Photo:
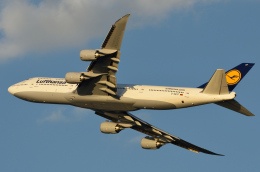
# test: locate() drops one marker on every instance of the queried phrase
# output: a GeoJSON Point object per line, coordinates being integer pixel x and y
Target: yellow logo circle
{"type": "Point", "coordinates": [233, 77]}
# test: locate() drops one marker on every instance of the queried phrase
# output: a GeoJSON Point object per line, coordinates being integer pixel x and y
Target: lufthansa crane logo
{"type": "Point", "coordinates": [233, 77]}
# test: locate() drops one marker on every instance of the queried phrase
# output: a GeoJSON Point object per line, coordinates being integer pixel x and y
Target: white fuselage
{"type": "Point", "coordinates": [129, 97]}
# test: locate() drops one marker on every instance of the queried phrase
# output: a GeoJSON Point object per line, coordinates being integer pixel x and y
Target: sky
{"type": "Point", "coordinates": [166, 43]}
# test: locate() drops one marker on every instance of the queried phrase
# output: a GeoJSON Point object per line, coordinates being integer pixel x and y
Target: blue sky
{"type": "Point", "coordinates": [167, 43]}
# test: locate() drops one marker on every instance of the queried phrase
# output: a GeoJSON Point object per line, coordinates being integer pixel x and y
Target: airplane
{"type": "Point", "coordinates": [97, 89]}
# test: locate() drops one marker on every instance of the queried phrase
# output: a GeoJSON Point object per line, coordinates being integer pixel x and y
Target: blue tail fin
{"type": "Point", "coordinates": [235, 75]}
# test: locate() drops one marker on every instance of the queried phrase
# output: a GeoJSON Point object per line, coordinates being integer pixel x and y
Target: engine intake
{"type": "Point", "coordinates": [75, 77]}
{"type": "Point", "coordinates": [110, 127]}
{"type": "Point", "coordinates": [150, 143]}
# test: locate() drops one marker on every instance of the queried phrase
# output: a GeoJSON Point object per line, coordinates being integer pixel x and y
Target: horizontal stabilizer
{"type": "Point", "coordinates": [217, 84]}
{"type": "Point", "coordinates": [235, 106]}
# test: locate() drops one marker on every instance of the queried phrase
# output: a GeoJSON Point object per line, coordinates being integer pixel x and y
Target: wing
{"type": "Point", "coordinates": [127, 120]}
{"type": "Point", "coordinates": [101, 72]}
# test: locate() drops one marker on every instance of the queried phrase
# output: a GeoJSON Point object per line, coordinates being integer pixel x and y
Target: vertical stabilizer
{"type": "Point", "coordinates": [235, 75]}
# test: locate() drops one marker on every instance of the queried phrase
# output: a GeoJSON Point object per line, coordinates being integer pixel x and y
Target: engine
{"type": "Point", "coordinates": [89, 55]}
{"type": "Point", "coordinates": [110, 127]}
{"type": "Point", "coordinates": [92, 55]}
{"type": "Point", "coordinates": [75, 77]}
{"type": "Point", "coordinates": [150, 143]}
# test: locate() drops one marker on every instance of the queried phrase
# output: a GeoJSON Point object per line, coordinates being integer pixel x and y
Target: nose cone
{"type": "Point", "coordinates": [11, 90]}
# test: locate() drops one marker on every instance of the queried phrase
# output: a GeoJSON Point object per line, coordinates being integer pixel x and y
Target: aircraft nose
{"type": "Point", "coordinates": [11, 90]}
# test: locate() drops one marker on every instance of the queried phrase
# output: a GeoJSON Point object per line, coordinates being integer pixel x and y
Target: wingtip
{"type": "Point", "coordinates": [212, 153]}
{"type": "Point", "coordinates": [218, 154]}
{"type": "Point", "coordinates": [124, 17]}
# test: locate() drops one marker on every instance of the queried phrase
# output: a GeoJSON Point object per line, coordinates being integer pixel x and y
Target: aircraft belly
{"type": "Point", "coordinates": [109, 103]}
{"type": "Point", "coordinates": [199, 99]}
{"type": "Point", "coordinates": [106, 103]}
{"type": "Point", "coordinates": [153, 104]}
{"type": "Point", "coordinates": [42, 97]}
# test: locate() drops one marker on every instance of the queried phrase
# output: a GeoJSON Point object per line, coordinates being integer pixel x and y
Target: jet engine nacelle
{"type": "Point", "coordinates": [110, 127]}
{"type": "Point", "coordinates": [89, 55]}
{"type": "Point", "coordinates": [150, 143]}
{"type": "Point", "coordinates": [92, 55]}
{"type": "Point", "coordinates": [75, 77]}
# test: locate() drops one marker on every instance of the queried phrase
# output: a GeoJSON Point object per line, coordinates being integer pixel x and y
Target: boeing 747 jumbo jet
{"type": "Point", "coordinates": [97, 89]}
